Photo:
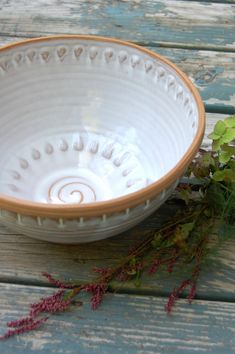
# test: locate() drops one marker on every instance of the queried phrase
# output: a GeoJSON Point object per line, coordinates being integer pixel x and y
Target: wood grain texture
{"type": "Point", "coordinates": [213, 73]}
{"type": "Point", "coordinates": [22, 261]}
{"type": "Point", "coordinates": [123, 324]}
{"type": "Point", "coordinates": [206, 23]}
{"type": "Point", "coordinates": [217, 1]}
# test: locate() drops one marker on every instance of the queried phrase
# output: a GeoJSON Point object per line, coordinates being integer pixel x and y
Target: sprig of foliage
{"type": "Point", "coordinates": [223, 144]}
{"type": "Point", "coordinates": [184, 239]}
{"type": "Point", "coordinates": [216, 171]}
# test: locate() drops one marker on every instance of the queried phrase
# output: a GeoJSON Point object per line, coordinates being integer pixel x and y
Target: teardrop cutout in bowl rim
{"type": "Point", "coordinates": [70, 211]}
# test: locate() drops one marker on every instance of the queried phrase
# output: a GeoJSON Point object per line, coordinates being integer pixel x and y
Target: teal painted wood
{"type": "Point", "coordinates": [23, 260]}
{"type": "Point", "coordinates": [123, 324]}
{"type": "Point", "coordinates": [156, 21]}
{"type": "Point", "coordinates": [212, 72]}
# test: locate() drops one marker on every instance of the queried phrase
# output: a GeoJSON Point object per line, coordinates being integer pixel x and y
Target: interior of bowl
{"type": "Point", "coordinates": [86, 120]}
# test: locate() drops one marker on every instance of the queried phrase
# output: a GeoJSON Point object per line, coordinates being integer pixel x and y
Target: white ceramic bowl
{"type": "Point", "coordinates": [95, 133]}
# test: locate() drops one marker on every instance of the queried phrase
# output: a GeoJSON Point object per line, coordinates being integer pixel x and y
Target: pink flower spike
{"type": "Point", "coordinates": [102, 271]}
{"type": "Point", "coordinates": [97, 291]}
{"type": "Point", "coordinates": [171, 265]}
{"type": "Point", "coordinates": [122, 276]}
{"type": "Point", "coordinates": [192, 293]}
{"type": "Point", "coordinates": [23, 329]}
{"type": "Point", "coordinates": [175, 295]}
{"type": "Point", "coordinates": [20, 322]}
{"type": "Point", "coordinates": [53, 303]}
{"type": "Point", "coordinates": [58, 283]}
{"type": "Point", "coordinates": [154, 267]}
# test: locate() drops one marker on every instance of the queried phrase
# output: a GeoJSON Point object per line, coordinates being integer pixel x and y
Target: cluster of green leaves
{"type": "Point", "coordinates": [223, 138]}
{"type": "Point", "coordinates": [218, 164]}
{"type": "Point", "coordinates": [216, 171]}
{"type": "Point", "coordinates": [174, 239]}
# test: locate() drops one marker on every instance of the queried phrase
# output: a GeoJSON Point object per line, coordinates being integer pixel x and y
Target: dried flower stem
{"type": "Point", "coordinates": [24, 328]}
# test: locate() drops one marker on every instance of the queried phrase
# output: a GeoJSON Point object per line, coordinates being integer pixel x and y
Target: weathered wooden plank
{"type": "Point", "coordinates": [23, 260]}
{"type": "Point", "coordinates": [212, 72]}
{"type": "Point", "coordinates": [10, 39]}
{"type": "Point", "coordinates": [218, 1]}
{"type": "Point", "coordinates": [123, 323]}
{"type": "Point", "coordinates": [151, 20]}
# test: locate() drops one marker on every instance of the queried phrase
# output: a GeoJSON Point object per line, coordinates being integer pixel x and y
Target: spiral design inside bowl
{"type": "Point", "coordinates": [71, 190]}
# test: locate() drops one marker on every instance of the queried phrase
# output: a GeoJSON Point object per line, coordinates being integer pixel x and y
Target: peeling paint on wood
{"type": "Point", "coordinates": [123, 324]}
{"type": "Point", "coordinates": [157, 20]}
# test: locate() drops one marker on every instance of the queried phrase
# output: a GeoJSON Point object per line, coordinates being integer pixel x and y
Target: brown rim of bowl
{"type": "Point", "coordinates": [25, 207]}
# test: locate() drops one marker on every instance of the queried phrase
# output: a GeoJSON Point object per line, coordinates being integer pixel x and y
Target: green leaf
{"type": "Point", "coordinates": [207, 159]}
{"type": "Point", "coordinates": [218, 176]}
{"type": "Point", "coordinates": [216, 145]}
{"type": "Point", "coordinates": [185, 195]}
{"type": "Point", "coordinates": [229, 175]}
{"type": "Point", "coordinates": [131, 271]}
{"type": "Point", "coordinates": [224, 156]}
{"type": "Point", "coordinates": [226, 175]}
{"type": "Point", "coordinates": [232, 165]}
{"type": "Point", "coordinates": [213, 136]}
{"type": "Point", "coordinates": [219, 128]}
{"type": "Point", "coordinates": [230, 149]}
{"type": "Point", "coordinates": [132, 261]}
{"type": "Point", "coordinates": [157, 240]}
{"type": "Point", "coordinates": [185, 229]}
{"type": "Point", "coordinates": [215, 197]}
{"type": "Point", "coordinates": [229, 135]}
{"type": "Point", "coordinates": [230, 122]}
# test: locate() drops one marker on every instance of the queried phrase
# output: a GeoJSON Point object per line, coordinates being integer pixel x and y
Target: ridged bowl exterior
{"type": "Point", "coordinates": [82, 230]}
{"type": "Point", "coordinates": [128, 118]}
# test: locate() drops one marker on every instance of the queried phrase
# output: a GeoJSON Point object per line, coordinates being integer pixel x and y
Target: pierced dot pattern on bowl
{"type": "Point", "coordinates": [63, 166]}
{"type": "Point", "coordinates": [109, 53]}
{"type": "Point", "coordinates": [74, 180]}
